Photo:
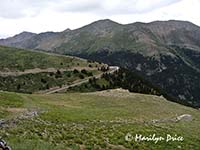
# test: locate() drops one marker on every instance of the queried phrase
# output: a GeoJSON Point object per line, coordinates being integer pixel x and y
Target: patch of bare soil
{"type": "Point", "coordinates": [16, 110]}
{"type": "Point", "coordinates": [38, 70]}
{"type": "Point", "coordinates": [28, 71]}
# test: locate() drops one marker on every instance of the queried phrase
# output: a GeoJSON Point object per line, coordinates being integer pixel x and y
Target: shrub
{"type": "Point", "coordinates": [84, 71]}
{"type": "Point", "coordinates": [75, 71]}
{"type": "Point", "coordinates": [81, 76]}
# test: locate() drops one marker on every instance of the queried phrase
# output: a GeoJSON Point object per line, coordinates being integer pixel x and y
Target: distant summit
{"type": "Point", "coordinates": [19, 38]}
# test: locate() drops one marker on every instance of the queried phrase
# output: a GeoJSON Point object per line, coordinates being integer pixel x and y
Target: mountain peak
{"type": "Point", "coordinates": [101, 25]}
{"type": "Point", "coordinates": [105, 21]}
{"type": "Point", "coordinates": [67, 30]}
{"type": "Point", "coordinates": [25, 33]}
{"type": "Point", "coordinates": [17, 38]}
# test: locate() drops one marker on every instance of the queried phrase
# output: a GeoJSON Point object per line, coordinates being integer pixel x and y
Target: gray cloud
{"type": "Point", "coordinates": [78, 6]}
{"type": "Point", "coordinates": [142, 6]}
{"type": "Point", "coordinates": [113, 7]}
{"type": "Point", "coordinates": [26, 8]}
{"type": "Point", "coordinates": [22, 8]}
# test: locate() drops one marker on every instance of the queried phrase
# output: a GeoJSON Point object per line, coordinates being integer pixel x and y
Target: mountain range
{"type": "Point", "coordinates": [166, 53]}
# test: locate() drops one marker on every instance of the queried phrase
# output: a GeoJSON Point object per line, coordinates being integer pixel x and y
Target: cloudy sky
{"type": "Point", "coordinates": [57, 15]}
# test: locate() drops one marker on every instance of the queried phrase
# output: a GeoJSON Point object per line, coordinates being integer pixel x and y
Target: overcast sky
{"type": "Point", "coordinates": [57, 15]}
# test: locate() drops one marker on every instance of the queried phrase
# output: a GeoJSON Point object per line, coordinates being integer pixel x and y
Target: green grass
{"type": "Point", "coordinates": [14, 59]}
{"type": "Point", "coordinates": [96, 121]}
{"type": "Point", "coordinates": [10, 100]}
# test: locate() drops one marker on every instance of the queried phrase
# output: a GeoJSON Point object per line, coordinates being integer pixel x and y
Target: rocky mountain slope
{"type": "Point", "coordinates": [17, 39]}
{"type": "Point", "coordinates": [166, 53]}
{"type": "Point", "coordinates": [144, 38]}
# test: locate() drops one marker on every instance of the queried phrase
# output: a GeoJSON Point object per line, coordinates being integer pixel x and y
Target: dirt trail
{"type": "Point", "coordinates": [55, 90]}
{"type": "Point", "coordinates": [38, 70]}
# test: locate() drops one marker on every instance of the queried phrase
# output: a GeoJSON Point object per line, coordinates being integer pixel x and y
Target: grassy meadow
{"type": "Point", "coordinates": [14, 59]}
{"type": "Point", "coordinates": [97, 120]}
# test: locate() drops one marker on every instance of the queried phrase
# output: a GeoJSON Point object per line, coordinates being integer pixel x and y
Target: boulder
{"type": "Point", "coordinates": [185, 117]}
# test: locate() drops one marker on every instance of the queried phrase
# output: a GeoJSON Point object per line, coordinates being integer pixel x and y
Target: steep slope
{"type": "Point", "coordinates": [98, 120]}
{"type": "Point", "coordinates": [165, 52]}
{"type": "Point", "coordinates": [29, 71]}
{"type": "Point", "coordinates": [180, 33]}
{"type": "Point", "coordinates": [126, 79]}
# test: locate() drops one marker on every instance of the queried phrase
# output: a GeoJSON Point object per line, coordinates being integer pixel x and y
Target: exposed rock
{"type": "Point", "coordinates": [185, 117]}
{"type": "Point", "coordinates": [3, 145]}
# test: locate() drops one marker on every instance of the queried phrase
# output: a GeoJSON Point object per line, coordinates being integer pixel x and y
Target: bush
{"type": "Point", "coordinates": [75, 71]}
{"type": "Point", "coordinates": [90, 74]}
{"type": "Point", "coordinates": [43, 81]}
{"type": "Point", "coordinates": [90, 65]}
{"type": "Point", "coordinates": [18, 87]}
{"type": "Point", "coordinates": [58, 74]}
{"type": "Point", "coordinates": [81, 76]}
{"type": "Point", "coordinates": [84, 71]}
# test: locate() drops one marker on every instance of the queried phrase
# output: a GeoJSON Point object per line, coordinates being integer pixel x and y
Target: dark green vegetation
{"type": "Point", "coordinates": [122, 78]}
{"type": "Point", "coordinates": [172, 75]}
{"type": "Point", "coordinates": [125, 79]}
{"type": "Point", "coordinates": [166, 53]}
{"type": "Point", "coordinates": [97, 120]}
{"type": "Point", "coordinates": [30, 83]}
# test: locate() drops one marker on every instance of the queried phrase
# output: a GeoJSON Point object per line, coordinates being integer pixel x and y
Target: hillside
{"type": "Point", "coordinates": [29, 71]}
{"type": "Point", "coordinates": [98, 120]}
{"type": "Point", "coordinates": [126, 79]}
{"type": "Point", "coordinates": [13, 59]}
{"type": "Point", "coordinates": [164, 52]}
